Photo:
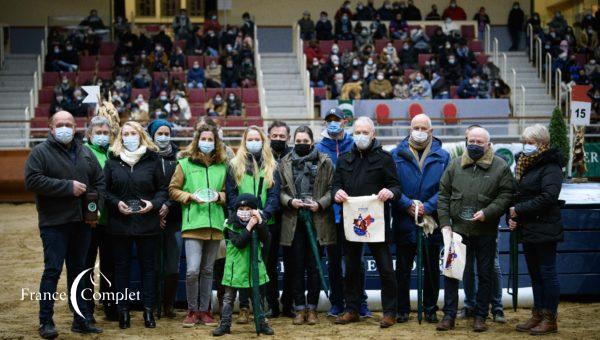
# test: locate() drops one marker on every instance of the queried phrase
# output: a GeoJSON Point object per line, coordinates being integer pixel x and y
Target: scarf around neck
{"type": "Point", "coordinates": [132, 157]}
{"type": "Point", "coordinates": [304, 170]}
{"type": "Point", "coordinates": [166, 151]}
{"type": "Point", "coordinates": [526, 162]}
{"type": "Point", "coordinates": [415, 147]}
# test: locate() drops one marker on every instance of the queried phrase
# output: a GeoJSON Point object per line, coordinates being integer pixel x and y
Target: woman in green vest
{"type": "Point", "coordinates": [254, 171]}
{"type": "Point", "coordinates": [242, 221]}
{"type": "Point", "coordinates": [202, 165]}
{"type": "Point", "coordinates": [98, 140]}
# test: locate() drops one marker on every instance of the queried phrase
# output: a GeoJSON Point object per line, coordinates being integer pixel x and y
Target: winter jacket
{"type": "Point", "coordinates": [145, 180]}
{"type": "Point", "coordinates": [195, 75]}
{"type": "Point", "coordinates": [417, 184]}
{"type": "Point", "coordinates": [377, 87]}
{"type": "Point", "coordinates": [323, 218]}
{"type": "Point", "coordinates": [168, 164]}
{"type": "Point", "coordinates": [50, 171]}
{"type": "Point", "coordinates": [101, 155]}
{"type": "Point", "coordinates": [486, 185]}
{"type": "Point", "coordinates": [537, 204]}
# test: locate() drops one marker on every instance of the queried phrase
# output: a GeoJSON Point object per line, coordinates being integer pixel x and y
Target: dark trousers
{"type": "Point", "coordinates": [303, 261]}
{"type": "Point", "coordinates": [229, 299]}
{"type": "Point", "coordinates": [515, 38]}
{"type": "Point", "coordinates": [484, 250]}
{"type": "Point", "coordinates": [100, 244]}
{"type": "Point", "coordinates": [67, 243]}
{"type": "Point", "coordinates": [541, 263]}
{"type": "Point", "coordinates": [146, 249]}
{"type": "Point", "coordinates": [354, 284]}
{"type": "Point", "coordinates": [405, 257]}
{"type": "Point", "coordinates": [272, 287]}
{"type": "Point", "coordinates": [287, 294]}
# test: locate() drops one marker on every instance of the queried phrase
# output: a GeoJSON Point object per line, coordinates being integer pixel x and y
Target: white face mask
{"type": "Point", "coordinates": [131, 143]}
{"type": "Point", "coordinates": [63, 134]}
{"type": "Point", "coordinates": [380, 77]}
{"type": "Point", "coordinates": [162, 141]}
{"type": "Point", "coordinates": [362, 141]}
{"type": "Point", "coordinates": [419, 136]}
{"type": "Point", "coordinates": [244, 215]}
{"type": "Point", "coordinates": [529, 149]}
{"type": "Point", "coordinates": [206, 147]}
{"type": "Point", "coordinates": [100, 140]}
{"type": "Point", "coordinates": [254, 146]}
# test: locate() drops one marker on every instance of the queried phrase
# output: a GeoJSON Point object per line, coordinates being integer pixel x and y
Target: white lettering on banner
{"type": "Point", "coordinates": [371, 267]}
{"type": "Point", "coordinates": [591, 157]}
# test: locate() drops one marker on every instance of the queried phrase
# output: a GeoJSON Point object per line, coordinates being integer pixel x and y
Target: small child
{"type": "Point", "coordinates": [238, 237]}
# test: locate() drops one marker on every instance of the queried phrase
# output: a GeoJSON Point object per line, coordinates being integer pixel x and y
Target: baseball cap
{"type": "Point", "coordinates": [336, 112]}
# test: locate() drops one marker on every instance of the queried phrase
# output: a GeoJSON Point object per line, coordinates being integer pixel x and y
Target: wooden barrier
{"type": "Point", "coordinates": [12, 176]}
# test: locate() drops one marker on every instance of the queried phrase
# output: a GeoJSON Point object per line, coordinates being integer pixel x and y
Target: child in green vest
{"type": "Point", "coordinates": [237, 275]}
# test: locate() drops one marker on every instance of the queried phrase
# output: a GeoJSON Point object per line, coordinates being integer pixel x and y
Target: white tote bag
{"type": "Point", "coordinates": [453, 256]}
{"type": "Point", "coordinates": [364, 219]}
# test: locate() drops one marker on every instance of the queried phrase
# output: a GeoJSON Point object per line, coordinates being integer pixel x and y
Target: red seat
{"type": "Point", "coordinates": [42, 111]}
{"type": "Point", "coordinates": [398, 44]}
{"type": "Point", "coordinates": [453, 90]}
{"type": "Point", "coordinates": [196, 96]}
{"type": "Point", "coordinates": [581, 59]}
{"type": "Point", "coordinates": [181, 44]}
{"type": "Point", "coordinates": [325, 46]}
{"type": "Point", "coordinates": [380, 44]}
{"type": "Point", "coordinates": [136, 92]}
{"type": "Point", "coordinates": [108, 48]}
{"type": "Point", "coordinates": [345, 46]}
{"type": "Point", "coordinates": [178, 75]}
{"type": "Point", "coordinates": [237, 91]}
{"type": "Point", "coordinates": [430, 30]}
{"type": "Point", "coordinates": [85, 77]}
{"type": "Point", "coordinates": [105, 75]}
{"type": "Point", "coordinates": [481, 58]}
{"type": "Point", "coordinates": [423, 57]}
{"type": "Point", "coordinates": [250, 95]}
{"type": "Point", "coordinates": [46, 95]}
{"type": "Point", "coordinates": [382, 114]}
{"type": "Point", "coordinates": [408, 72]}
{"type": "Point", "coordinates": [414, 109]}
{"type": "Point", "coordinates": [253, 111]}
{"type": "Point", "coordinates": [106, 63]}
{"type": "Point", "coordinates": [449, 112]}
{"type": "Point", "coordinates": [207, 60]}
{"type": "Point", "coordinates": [72, 76]}
{"type": "Point", "coordinates": [198, 111]}
{"type": "Point", "coordinates": [87, 63]}
{"type": "Point", "coordinates": [254, 121]}
{"type": "Point", "coordinates": [475, 46]}
{"type": "Point", "coordinates": [192, 58]}
{"type": "Point", "coordinates": [211, 92]}
{"type": "Point", "coordinates": [49, 79]}
{"type": "Point", "coordinates": [39, 122]}
{"type": "Point", "coordinates": [320, 93]}
{"type": "Point", "coordinates": [413, 27]}
{"type": "Point", "coordinates": [467, 31]}
{"type": "Point", "coordinates": [234, 122]}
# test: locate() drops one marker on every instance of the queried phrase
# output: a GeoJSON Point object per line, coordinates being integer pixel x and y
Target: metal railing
{"type": "Point", "coordinates": [530, 35]}
{"type": "Point", "coordinates": [309, 93]}
{"type": "Point", "coordinates": [504, 65]}
{"type": "Point", "coordinates": [259, 77]}
{"type": "Point", "coordinates": [495, 52]}
{"type": "Point", "coordinates": [558, 87]}
{"type": "Point", "coordinates": [539, 57]}
{"type": "Point", "coordinates": [548, 73]}
{"type": "Point", "coordinates": [570, 127]}
{"type": "Point", "coordinates": [487, 36]}
{"type": "Point", "coordinates": [2, 26]}
{"type": "Point", "coordinates": [513, 92]}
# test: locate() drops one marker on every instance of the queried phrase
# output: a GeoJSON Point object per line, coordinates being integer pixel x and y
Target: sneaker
{"type": "Point", "coordinates": [335, 310]}
{"type": "Point", "coordinates": [191, 319]}
{"type": "Point", "coordinates": [206, 318]}
{"type": "Point", "coordinates": [364, 311]}
{"type": "Point", "coordinates": [466, 313]}
{"type": "Point", "coordinates": [499, 316]}
{"type": "Point", "coordinates": [47, 330]}
{"type": "Point", "coordinates": [266, 330]}
{"type": "Point", "coordinates": [243, 317]}
{"type": "Point", "coordinates": [221, 330]}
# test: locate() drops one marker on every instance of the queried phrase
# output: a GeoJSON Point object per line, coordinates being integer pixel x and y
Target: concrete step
{"type": "Point", "coordinates": [24, 82]}
{"type": "Point", "coordinates": [287, 112]}
{"type": "Point", "coordinates": [277, 55]}
{"type": "Point", "coordinates": [275, 71]}
{"type": "Point", "coordinates": [282, 85]}
{"type": "Point", "coordinates": [15, 88]}
{"type": "Point", "coordinates": [11, 114]}
{"type": "Point", "coordinates": [281, 102]}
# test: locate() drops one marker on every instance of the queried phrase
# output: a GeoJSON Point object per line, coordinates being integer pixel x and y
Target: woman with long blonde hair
{"type": "Point", "coordinates": [254, 171]}
{"type": "Point", "coordinates": [202, 167]}
{"type": "Point", "coordinates": [135, 191]}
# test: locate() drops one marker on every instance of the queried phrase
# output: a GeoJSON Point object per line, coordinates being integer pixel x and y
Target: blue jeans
{"type": "Point", "coordinates": [484, 250]}
{"type": "Point", "coordinates": [541, 264]}
{"type": "Point", "coordinates": [67, 243]}
{"type": "Point", "coordinates": [59, 65]}
{"type": "Point", "coordinates": [470, 283]}
{"type": "Point", "coordinates": [319, 83]}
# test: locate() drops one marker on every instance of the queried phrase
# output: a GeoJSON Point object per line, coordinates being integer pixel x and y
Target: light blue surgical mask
{"type": "Point", "coordinates": [529, 149]}
{"type": "Point", "coordinates": [100, 140]}
{"type": "Point", "coordinates": [334, 128]}
{"type": "Point", "coordinates": [254, 146]}
{"type": "Point", "coordinates": [206, 147]}
{"type": "Point", "coordinates": [131, 143]}
{"type": "Point", "coordinates": [63, 134]}
{"type": "Point", "coordinates": [162, 141]}
{"type": "Point", "coordinates": [362, 141]}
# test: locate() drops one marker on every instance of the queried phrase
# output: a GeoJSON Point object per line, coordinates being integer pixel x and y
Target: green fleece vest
{"type": "Point", "coordinates": [207, 215]}
{"type": "Point", "coordinates": [101, 155]}
{"type": "Point", "coordinates": [249, 185]}
{"type": "Point", "coordinates": [237, 264]}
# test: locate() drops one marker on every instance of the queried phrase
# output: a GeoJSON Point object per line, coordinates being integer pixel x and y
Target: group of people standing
{"type": "Point", "coordinates": [221, 206]}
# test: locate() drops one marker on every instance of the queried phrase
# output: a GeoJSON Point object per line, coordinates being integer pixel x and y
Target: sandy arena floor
{"type": "Point", "coordinates": [21, 263]}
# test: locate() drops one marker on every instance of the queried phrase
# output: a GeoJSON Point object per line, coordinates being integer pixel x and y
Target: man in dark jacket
{"type": "Point", "coordinates": [61, 172]}
{"type": "Point", "coordinates": [367, 170]}
{"type": "Point", "coordinates": [516, 19]}
{"type": "Point", "coordinates": [475, 191]}
{"type": "Point", "coordinates": [420, 163]}
{"type": "Point", "coordinates": [324, 28]}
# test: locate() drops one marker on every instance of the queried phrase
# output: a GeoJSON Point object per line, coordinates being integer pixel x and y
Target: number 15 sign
{"type": "Point", "coordinates": [581, 105]}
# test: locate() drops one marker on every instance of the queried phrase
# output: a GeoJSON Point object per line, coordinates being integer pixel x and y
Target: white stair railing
{"type": "Point", "coordinates": [504, 67]}
{"type": "Point", "coordinates": [259, 77]}
{"type": "Point", "coordinates": [548, 71]}
{"type": "Point", "coordinates": [487, 36]}
{"type": "Point", "coordinates": [557, 87]}
{"type": "Point", "coordinates": [309, 93]}
{"type": "Point", "coordinates": [530, 35]}
{"type": "Point", "coordinates": [495, 56]}
{"type": "Point", "coordinates": [539, 57]}
{"type": "Point", "coordinates": [27, 116]}
{"type": "Point", "coordinates": [568, 115]}
{"type": "Point", "coordinates": [2, 46]}
{"type": "Point", "coordinates": [513, 92]}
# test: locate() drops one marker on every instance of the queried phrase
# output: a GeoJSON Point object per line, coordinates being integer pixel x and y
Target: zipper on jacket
{"type": "Point", "coordinates": [208, 187]}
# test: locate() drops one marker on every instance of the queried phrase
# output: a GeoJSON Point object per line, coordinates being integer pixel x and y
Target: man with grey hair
{"type": "Point", "coordinates": [475, 191]}
{"type": "Point", "coordinates": [60, 171]}
{"type": "Point", "coordinates": [367, 170]}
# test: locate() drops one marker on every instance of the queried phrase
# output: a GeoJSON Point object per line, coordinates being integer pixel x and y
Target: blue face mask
{"type": "Point", "coordinates": [162, 141]}
{"type": "Point", "coordinates": [63, 134]}
{"type": "Point", "coordinates": [100, 140]}
{"type": "Point", "coordinates": [334, 128]}
{"type": "Point", "coordinates": [529, 149]}
{"type": "Point", "coordinates": [206, 147]}
{"type": "Point", "coordinates": [131, 143]}
{"type": "Point", "coordinates": [254, 146]}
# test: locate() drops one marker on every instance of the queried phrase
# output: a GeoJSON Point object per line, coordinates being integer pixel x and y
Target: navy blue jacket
{"type": "Point", "coordinates": [416, 184]}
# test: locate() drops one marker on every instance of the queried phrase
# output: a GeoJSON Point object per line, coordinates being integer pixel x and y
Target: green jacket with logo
{"type": "Point", "coordinates": [237, 270]}
{"type": "Point", "coordinates": [101, 155]}
{"type": "Point", "coordinates": [249, 185]}
{"type": "Point", "coordinates": [486, 185]}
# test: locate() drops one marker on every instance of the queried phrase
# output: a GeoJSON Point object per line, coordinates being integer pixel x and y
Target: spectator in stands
{"type": "Point", "coordinates": [195, 76]}
{"type": "Point", "coordinates": [363, 39]}
{"type": "Point", "coordinates": [454, 12]}
{"type": "Point", "coordinates": [430, 67]}
{"type": "Point", "coordinates": [324, 28]}
{"type": "Point", "coordinates": [163, 40]}
{"type": "Point", "coordinates": [121, 26]}
{"type": "Point", "coordinates": [482, 20]}
{"type": "Point", "coordinates": [483, 89]}
{"type": "Point", "coordinates": [389, 55]}
{"type": "Point", "coordinates": [141, 103]}
{"type": "Point", "coordinates": [247, 28]}
{"type": "Point", "coordinates": [162, 84]}
{"type": "Point", "coordinates": [70, 55]}
{"type": "Point", "coordinates": [490, 69]}
{"type": "Point", "coordinates": [211, 43]}
{"type": "Point", "coordinates": [124, 69]}
{"type": "Point", "coordinates": [212, 23]}
{"type": "Point", "coordinates": [160, 101]}
{"type": "Point", "coordinates": [65, 87]}
{"type": "Point", "coordinates": [363, 12]}
{"type": "Point", "coordinates": [213, 74]}
{"type": "Point", "coordinates": [158, 59]}
{"type": "Point", "coordinates": [398, 27]}
{"type": "Point", "coordinates": [558, 23]}
{"type": "Point", "coordinates": [588, 40]}
{"type": "Point", "coordinates": [439, 87]}
{"type": "Point", "coordinates": [344, 9]}
{"type": "Point", "coordinates": [582, 78]}
{"type": "Point", "coordinates": [78, 107]}
{"type": "Point", "coordinates": [393, 73]}
{"type": "Point", "coordinates": [466, 58]}
{"type": "Point", "coordinates": [386, 12]}
{"type": "Point", "coordinates": [592, 68]}
{"type": "Point", "coordinates": [412, 12]}
{"type": "Point", "coordinates": [178, 100]}
{"type": "Point", "coordinates": [408, 56]}
{"type": "Point", "coordinates": [334, 66]}
{"type": "Point", "coordinates": [419, 87]}
{"type": "Point", "coordinates": [60, 103]}
{"type": "Point", "coordinates": [378, 28]}
{"type": "Point", "coordinates": [401, 89]}
{"type": "Point", "coordinates": [469, 88]}
{"type": "Point", "coordinates": [501, 89]}
{"type": "Point", "coordinates": [369, 70]}
{"type": "Point", "coordinates": [247, 73]}
{"type": "Point", "coordinates": [433, 15]}
{"type": "Point", "coordinates": [229, 74]}
{"type": "Point", "coordinates": [317, 74]}
{"type": "Point", "coordinates": [420, 40]}
{"type": "Point", "coordinates": [234, 105]}
{"type": "Point", "coordinates": [56, 61]}
{"type": "Point", "coordinates": [343, 28]}
{"type": "Point", "coordinates": [450, 28]}
{"type": "Point", "coordinates": [535, 23]}
{"type": "Point", "coordinates": [142, 78]}
{"type": "Point", "coordinates": [182, 25]}
{"type": "Point", "coordinates": [216, 106]}
{"type": "Point", "coordinates": [246, 51]}
{"type": "Point", "coordinates": [561, 63]}
{"type": "Point", "coordinates": [438, 41]}
{"type": "Point", "coordinates": [313, 51]}
{"type": "Point", "coordinates": [177, 60]}
{"type": "Point", "coordinates": [229, 52]}
{"type": "Point", "coordinates": [380, 88]}
{"type": "Point", "coordinates": [337, 85]}
{"type": "Point", "coordinates": [307, 27]}
{"type": "Point", "coordinates": [93, 21]}
{"type": "Point", "coordinates": [195, 44]}
{"type": "Point", "coordinates": [570, 39]}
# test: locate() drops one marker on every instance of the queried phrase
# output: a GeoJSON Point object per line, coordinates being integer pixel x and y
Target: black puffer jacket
{"type": "Point", "coordinates": [168, 164]}
{"type": "Point", "coordinates": [144, 181]}
{"type": "Point", "coordinates": [537, 204]}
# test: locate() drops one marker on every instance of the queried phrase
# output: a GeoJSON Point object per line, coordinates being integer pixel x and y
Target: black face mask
{"type": "Point", "coordinates": [278, 145]}
{"type": "Point", "coordinates": [302, 149]}
{"type": "Point", "coordinates": [475, 151]}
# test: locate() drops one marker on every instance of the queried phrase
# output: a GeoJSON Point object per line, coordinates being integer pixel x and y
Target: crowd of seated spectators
{"type": "Point", "coordinates": [389, 58]}
{"type": "Point", "coordinates": [191, 70]}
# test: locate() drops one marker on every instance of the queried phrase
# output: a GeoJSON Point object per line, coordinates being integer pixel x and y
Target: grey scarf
{"type": "Point", "coordinates": [166, 151]}
{"type": "Point", "coordinates": [304, 170]}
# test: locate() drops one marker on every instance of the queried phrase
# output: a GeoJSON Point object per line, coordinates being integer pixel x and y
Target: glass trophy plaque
{"type": "Point", "coordinates": [206, 195]}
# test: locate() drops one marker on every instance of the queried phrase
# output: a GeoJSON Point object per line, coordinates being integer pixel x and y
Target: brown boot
{"type": "Point", "coordinates": [547, 325]}
{"type": "Point", "coordinates": [479, 325]}
{"type": "Point", "coordinates": [244, 316]}
{"type": "Point", "coordinates": [387, 321]}
{"type": "Point", "coordinates": [347, 317]}
{"type": "Point", "coordinates": [446, 324]}
{"type": "Point", "coordinates": [311, 317]}
{"type": "Point", "coordinates": [169, 297]}
{"type": "Point", "coordinates": [534, 320]}
{"type": "Point", "coordinates": [300, 317]}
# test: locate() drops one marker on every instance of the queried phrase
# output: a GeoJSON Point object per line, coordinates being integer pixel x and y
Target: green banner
{"type": "Point", "coordinates": [592, 159]}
